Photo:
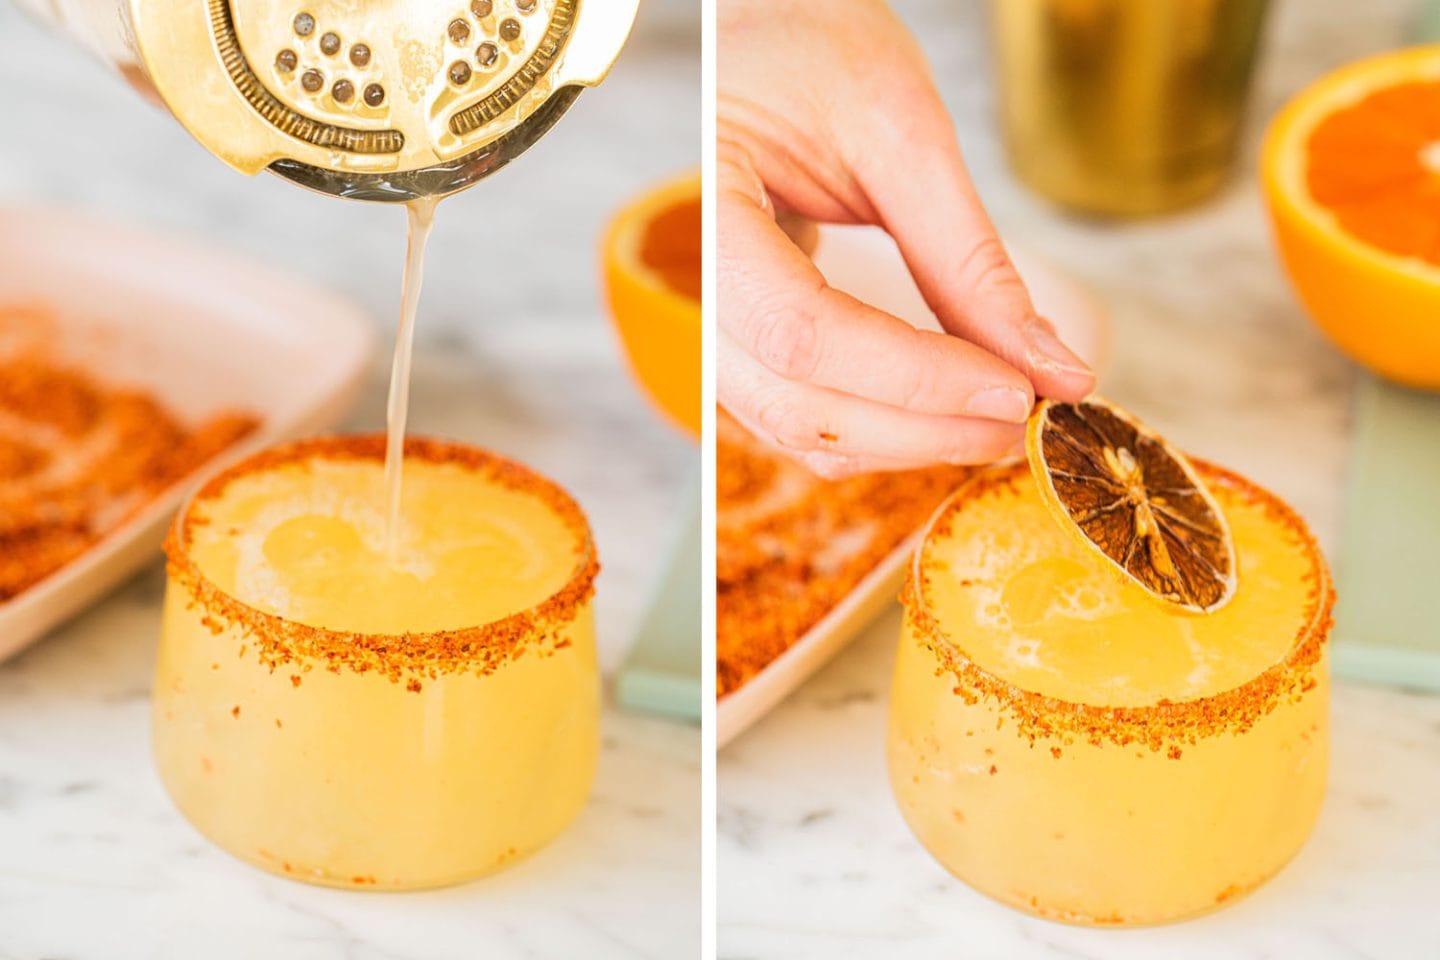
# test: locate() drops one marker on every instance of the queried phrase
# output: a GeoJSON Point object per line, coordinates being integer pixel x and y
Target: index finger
{"type": "Point", "coordinates": [954, 253]}
{"type": "Point", "coordinates": [777, 306]}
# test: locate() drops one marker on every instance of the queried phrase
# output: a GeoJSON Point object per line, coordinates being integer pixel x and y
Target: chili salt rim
{"type": "Point", "coordinates": [414, 656]}
{"type": "Point", "coordinates": [1160, 725]}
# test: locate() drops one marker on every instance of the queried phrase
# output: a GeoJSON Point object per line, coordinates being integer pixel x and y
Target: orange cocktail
{"type": "Point", "coordinates": [1072, 746]}
{"type": "Point", "coordinates": [330, 712]}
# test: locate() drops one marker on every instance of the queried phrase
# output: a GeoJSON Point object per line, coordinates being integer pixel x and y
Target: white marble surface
{"type": "Point", "coordinates": [515, 353]}
{"type": "Point", "coordinates": [1209, 346]}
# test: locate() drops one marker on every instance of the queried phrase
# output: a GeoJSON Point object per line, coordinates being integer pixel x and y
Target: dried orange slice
{"type": "Point", "coordinates": [1351, 171]}
{"type": "Point", "coordinates": [1134, 499]}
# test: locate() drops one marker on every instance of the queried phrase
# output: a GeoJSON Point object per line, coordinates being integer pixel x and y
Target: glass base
{"type": "Point", "coordinates": [319, 877]}
{"type": "Point", "coordinates": [1231, 896]}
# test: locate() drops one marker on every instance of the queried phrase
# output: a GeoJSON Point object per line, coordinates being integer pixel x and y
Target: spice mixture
{"type": "Point", "coordinates": [789, 546]}
{"type": "Point", "coordinates": [78, 456]}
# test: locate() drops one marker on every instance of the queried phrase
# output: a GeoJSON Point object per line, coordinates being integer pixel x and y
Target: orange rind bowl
{"type": "Point", "coordinates": [1379, 307]}
{"type": "Point", "coordinates": [651, 261]}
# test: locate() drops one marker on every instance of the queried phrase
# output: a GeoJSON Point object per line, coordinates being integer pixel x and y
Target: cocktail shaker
{"type": "Point", "coordinates": [357, 98]}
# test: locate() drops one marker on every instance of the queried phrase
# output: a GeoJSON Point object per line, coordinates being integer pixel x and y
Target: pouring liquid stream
{"type": "Point", "coordinates": [420, 215]}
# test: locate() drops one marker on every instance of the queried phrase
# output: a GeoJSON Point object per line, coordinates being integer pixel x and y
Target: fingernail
{"type": "Point", "coordinates": [999, 403]}
{"type": "Point", "coordinates": [1053, 353]}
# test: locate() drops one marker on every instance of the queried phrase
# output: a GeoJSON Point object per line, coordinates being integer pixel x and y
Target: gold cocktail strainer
{"type": "Point", "coordinates": [358, 98]}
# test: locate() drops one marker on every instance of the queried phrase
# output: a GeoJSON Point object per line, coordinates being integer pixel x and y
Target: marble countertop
{"type": "Point", "coordinates": [1211, 347]}
{"type": "Point", "coordinates": [514, 352]}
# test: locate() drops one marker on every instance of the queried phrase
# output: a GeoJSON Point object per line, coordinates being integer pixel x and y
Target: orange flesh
{"type": "Point", "coordinates": [671, 247]}
{"type": "Point", "coordinates": [1373, 164]}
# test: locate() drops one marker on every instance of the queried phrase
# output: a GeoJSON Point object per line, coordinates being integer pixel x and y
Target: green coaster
{"type": "Point", "coordinates": [661, 673]}
{"type": "Point", "coordinates": [1427, 25]}
{"type": "Point", "coordinates": [1387, 618]}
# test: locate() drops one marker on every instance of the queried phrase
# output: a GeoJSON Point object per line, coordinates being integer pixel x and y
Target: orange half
{"type": "Point", "coordinates": [652, 263]}
{"type": "Point", "coordinates": [1351, 172]}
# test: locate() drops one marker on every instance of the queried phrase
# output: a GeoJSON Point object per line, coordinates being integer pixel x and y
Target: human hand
{"type": "Point", "coordinates": [826, 111]}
